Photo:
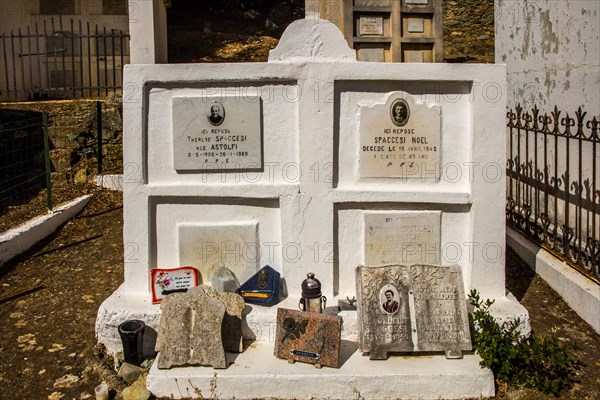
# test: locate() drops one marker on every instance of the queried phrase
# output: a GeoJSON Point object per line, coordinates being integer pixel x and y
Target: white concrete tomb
{"type": "Point", "coordinates": [303, 194]}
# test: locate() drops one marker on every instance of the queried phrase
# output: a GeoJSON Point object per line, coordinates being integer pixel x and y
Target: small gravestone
{"type": "Point", "coordinates": [308, 337]}
{"type": "Point", "coordinates": [190, 330]}
{"type": "Point", "coordinates": [421, 308]}
{"type": "Point", "coordinates": [231, 333]}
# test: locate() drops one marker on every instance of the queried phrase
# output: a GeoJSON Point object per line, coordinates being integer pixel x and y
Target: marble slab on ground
{"type": "Point", "coordinates": [308, 337]}
{"type": "Point", "coordinates": [421, 308]}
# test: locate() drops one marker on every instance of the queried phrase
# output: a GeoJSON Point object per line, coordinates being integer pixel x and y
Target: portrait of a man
{"type": "Point", "coordinates": [216, 114]}
{"type": "Point", "coordinates": [390, 305]}
{"type": "Point", "coordinates": [400, 112]}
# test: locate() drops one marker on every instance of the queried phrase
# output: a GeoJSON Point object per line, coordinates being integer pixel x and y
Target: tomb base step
{"type": "Point", "coordinates": [257, 374]}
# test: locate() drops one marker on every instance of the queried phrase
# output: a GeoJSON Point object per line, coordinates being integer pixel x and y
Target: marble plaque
{"type": "Point", "coordinates": [414, 56]}
{"type": "Point", "coordinates": [416, 25]}
{"type": "Point", "coordinates": [403, 237]}
{"type": "Point", "coordinates": [421, 308]}
{"type": "Point", "coordinates": [400, 138]}
{"type": "Point", "coordinates": [371, 54]}
{"type": "Point", "coordinates": [308, 337]}
{"type": "Point", "coordinates": [209, 247]}
{"type": "Point", "coordinates": [217, 133]}
{"type": "Point", "coordinates": [416, 1]}
{"type": "Point", "coordinates": [370, 26]}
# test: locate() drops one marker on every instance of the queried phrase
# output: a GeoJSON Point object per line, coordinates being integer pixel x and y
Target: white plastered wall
{"type": "Point", "coordinates": [308, 197]}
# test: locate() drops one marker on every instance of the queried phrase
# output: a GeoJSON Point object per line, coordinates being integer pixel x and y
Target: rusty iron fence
{"type": "Point", "coordinates": [553, 184]}
{"type": "Point", "coordinates": [58, 59]}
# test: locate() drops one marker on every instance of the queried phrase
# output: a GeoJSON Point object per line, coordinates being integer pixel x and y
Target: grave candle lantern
{"type": "Point", "coordinates": [312, 299]}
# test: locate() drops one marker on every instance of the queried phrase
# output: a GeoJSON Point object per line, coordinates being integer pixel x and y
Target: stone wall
{"type": "Point", "coordinates": [468, 31]}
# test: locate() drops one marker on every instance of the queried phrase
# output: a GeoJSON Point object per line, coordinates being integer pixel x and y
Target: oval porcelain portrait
{"type": "Point", "coordinates": [389, 299]}
{"type": "Point", "coordinates": [400, 112]}
{"type": "Point", "coordinates": [216, 113]}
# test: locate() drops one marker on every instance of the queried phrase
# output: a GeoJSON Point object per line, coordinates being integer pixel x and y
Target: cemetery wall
{"type": "Point", "coordinates": [552, 52]}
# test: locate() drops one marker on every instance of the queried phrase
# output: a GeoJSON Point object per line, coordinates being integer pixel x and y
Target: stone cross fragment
{"type": "Point", "coordinates": [190, 330]}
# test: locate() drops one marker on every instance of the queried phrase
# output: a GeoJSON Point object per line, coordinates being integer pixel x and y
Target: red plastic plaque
{"type": "Point", "coordinates": [166, 281]}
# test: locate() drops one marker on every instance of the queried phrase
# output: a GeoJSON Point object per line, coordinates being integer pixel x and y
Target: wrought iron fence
{"type": "Point", "coordinates": [553, 186]}
{"type": "Point", "coordinates": [57, 60]}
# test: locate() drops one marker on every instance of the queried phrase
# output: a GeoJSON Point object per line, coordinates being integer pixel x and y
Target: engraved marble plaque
{"type": "Point", "coordinates": [416, 25]}
{"type": "Point", "coordinates": [211, 246]}
{"type": "Point", "coordinates": [370, 26]}
{"type": "Point", "coordinates": [217, 133]}
{"type": "Point", "coordinates": [421, 308]}
{"type": "Point", "coordinates": [400, 138]}
{"type": "Point", "coordinates": [414, 56]}
{"type": "Point", "coordinates": [308, 337]}
{"type": "Point", "coordinates": [402, 237]}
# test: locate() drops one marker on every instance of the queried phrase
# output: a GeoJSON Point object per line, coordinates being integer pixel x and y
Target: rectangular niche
{"type": "Point", "coordinates": [211, 246]}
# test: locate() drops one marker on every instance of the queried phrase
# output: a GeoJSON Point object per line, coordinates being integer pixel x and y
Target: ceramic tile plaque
{"type": "Point", "coordinates": [308, 337]}
{"type": "Point", "coordinates": [370, 26]}
{"type": "Point", "coordinates": [176, 280]}
{"type": "Point", "coordinates": [209, 247]}
{"type": "Point", "coordinates": [400, 139]}
{"type": "Point", "coordinates": [217, 133]}
{"type": "Point", "coordinates": [421, 308]}
{"type": "Point", "coordinates": [403, 237]}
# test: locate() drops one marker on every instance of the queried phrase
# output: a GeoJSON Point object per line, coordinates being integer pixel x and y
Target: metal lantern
{"type": "Point", "coordinates": [312, 299]}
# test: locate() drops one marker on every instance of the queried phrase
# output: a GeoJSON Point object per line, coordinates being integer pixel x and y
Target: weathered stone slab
{"type": "Point", "coordinates": [231, 332]}
{"type": "Point", "coordinates": [190, 330]}
{"type": "Point", "coordinates": [400, 139]}
{"type": "Point", "coordinates": [421, 308]}
{"type": "Point", "coordinates": [402, 237]}
{"type": "Point", "coordinates": [215, 133]}
{"type": "Point", "coordinates": [308, 337]}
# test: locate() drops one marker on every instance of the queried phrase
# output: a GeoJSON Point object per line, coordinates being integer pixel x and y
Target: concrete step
{"type": "Point", "coordinates": [257, 374]}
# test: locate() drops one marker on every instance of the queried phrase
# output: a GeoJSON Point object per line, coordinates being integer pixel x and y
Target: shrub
{"type": "Point", "coordinates": [543, 363]}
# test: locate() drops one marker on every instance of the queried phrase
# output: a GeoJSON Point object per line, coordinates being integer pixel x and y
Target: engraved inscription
{"type": "Point", "coordinates": [400, 138]}
{"type": "Point", "coordinates": [217, 133]}
{"type": "Point", "coordinates": [402, 237]}
{"type": "Point", "coordinates": [430, 310]}
{"type": "Point", "coordinates": [370, 26]}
